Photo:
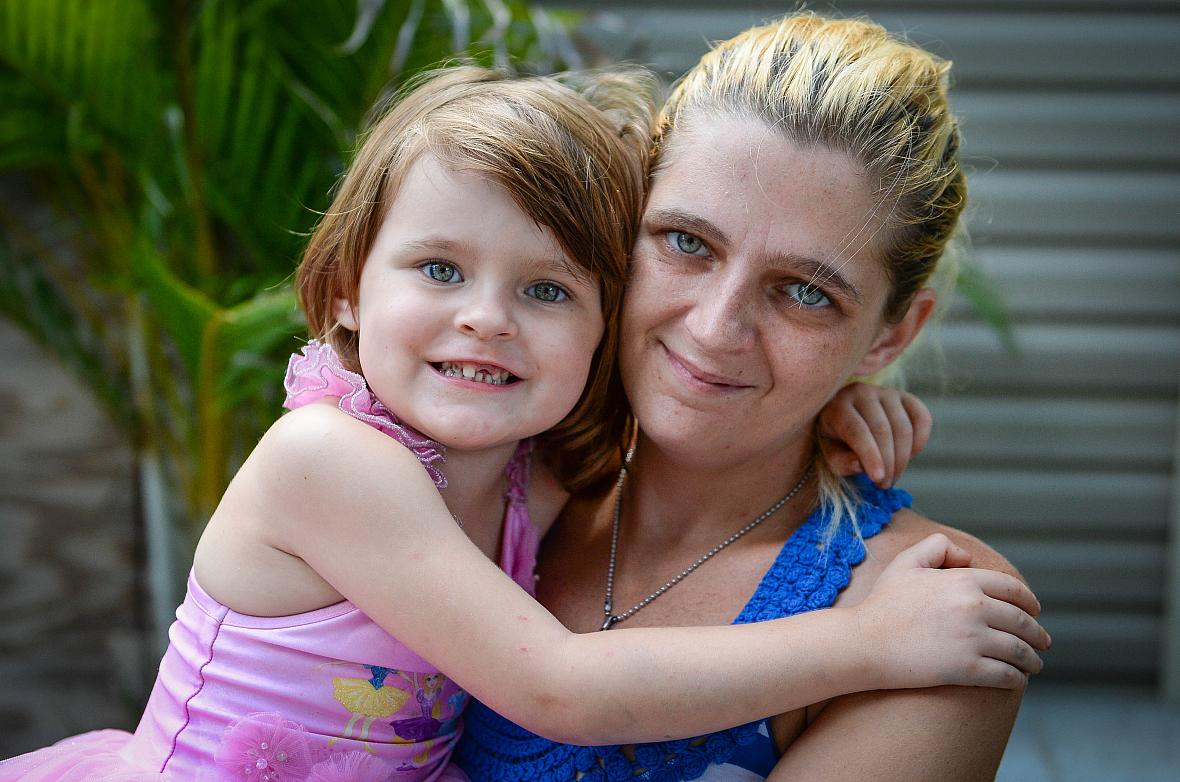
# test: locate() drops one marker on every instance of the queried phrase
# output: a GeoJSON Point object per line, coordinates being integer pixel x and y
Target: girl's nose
{"type": "Point", "coordinates": [487, 316]}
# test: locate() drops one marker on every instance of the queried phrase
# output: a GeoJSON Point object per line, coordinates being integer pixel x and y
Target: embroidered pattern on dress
{"type": "Point", "coordinates": [316, 372]}
{"type": "Point", "coordinates": [265, 747]}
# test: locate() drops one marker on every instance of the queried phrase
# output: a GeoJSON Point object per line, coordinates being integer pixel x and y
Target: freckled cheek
{"type": "Point", "coordinates": [813, 360]}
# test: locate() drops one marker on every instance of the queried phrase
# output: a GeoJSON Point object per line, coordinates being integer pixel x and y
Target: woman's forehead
{"type": "Point", "coordinates": [753, 186]}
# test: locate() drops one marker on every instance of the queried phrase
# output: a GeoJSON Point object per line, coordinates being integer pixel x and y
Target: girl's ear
{"type": "Point", "coordinates": [896, 337]}
{"type": "Point", "coordinates": [346, 314]}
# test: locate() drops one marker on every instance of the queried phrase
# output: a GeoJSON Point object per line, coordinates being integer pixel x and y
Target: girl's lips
{"type": "Point", "coordinates": [699, 378]}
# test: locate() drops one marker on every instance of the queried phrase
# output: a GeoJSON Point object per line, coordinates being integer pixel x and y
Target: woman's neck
{"type": "Point", "coordinates": [681, 496]}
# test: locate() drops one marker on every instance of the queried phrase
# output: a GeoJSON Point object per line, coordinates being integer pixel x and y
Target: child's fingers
{"type": "Point", "coordinates": [1017, 622]}
{"type": "Point", "coordinates": [996, 673]}
{"type": "Point", "coordinates": [841, 460]}
{"type": "Point", "coordinates": [921, 419]}
{"type": "Point", "coordinates": [903, 436]}
{"type": "Point", "coordinates": [1007, 648]}
{"type": "Point", "coordinates": [858, 439]}
{"type": "Point", "coordinates": [1008, 588]}
{"type": "Point", "coordinates": [933, 551]}
{"type": "Point", "coordinates": [881, 430]}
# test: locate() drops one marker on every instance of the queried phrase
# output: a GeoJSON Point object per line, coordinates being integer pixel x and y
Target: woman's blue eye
{"type": "Point", "coordinates": [807, 294]}
{"type": "Point", "coordinates": [686, 242]}
{"type": "Point", "coordinates": [547, 291]}
{"type": "Point", "coordinates": [441, 271]}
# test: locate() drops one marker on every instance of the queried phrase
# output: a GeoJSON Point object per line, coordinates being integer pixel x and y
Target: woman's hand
{"type": "Point", "coordinates": [936, 621]}
{"type": "Point", "coordinates": [874, 430]}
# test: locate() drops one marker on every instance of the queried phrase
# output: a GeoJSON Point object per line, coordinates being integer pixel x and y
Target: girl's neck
{"type": "Point", "coordinates": [679, 496]}
{"type": "Point", "coordinates": [476, 486]}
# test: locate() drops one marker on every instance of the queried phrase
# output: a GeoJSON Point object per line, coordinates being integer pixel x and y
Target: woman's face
{"type": "Point", "coordinates": [756, 292]}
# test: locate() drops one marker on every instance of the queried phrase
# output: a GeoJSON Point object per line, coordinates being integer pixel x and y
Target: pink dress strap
{"type": "Point", "coordinates": [519, 540]}
{"type": "Point", "coordinates": [316, 372]}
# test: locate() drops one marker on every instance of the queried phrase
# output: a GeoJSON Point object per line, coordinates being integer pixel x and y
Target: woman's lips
{"type": "Point", "coordinates": [698, 378]}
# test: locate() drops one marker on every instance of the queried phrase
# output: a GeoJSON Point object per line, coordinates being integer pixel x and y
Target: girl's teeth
{"type": "Point", "coordinates": [469, 372]}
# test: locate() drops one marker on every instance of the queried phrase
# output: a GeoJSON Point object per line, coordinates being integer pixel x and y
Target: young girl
{"type": "Point", "coordinates": [464, 289]}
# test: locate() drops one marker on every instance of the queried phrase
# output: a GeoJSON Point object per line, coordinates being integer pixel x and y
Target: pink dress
{"type": "Point", "coordinates": [324, 696]}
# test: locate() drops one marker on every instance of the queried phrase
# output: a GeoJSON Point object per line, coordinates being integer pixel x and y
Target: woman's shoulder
{"type": "Point", "coordinates": [906, 528]}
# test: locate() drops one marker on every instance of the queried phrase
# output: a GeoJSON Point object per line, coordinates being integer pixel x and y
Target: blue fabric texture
{"type": "Point", "coordinates": [806, 575]}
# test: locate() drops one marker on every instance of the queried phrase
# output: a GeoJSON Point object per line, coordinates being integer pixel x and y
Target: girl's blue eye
{"type": "Point", "coordinates": [547, 291]}
{"type": "Point", "coordinates": [686, 242]}
{"type": "Point", "coordinates": [807, 295]}
{"type": "Point", "coordinates": [441, 271]}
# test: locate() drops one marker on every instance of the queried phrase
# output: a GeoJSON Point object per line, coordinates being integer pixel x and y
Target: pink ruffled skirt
{"type": "Point", "coordinates": [97, 757]}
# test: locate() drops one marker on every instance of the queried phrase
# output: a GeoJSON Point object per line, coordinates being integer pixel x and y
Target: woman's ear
{"type": "Point", "coordinates": [896, 337]}
{"type": "Point", "coordinates": [346, 314]}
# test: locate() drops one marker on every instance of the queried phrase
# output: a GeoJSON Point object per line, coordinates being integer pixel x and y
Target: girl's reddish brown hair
{"type": "Point", "coordinates": [571, 151]}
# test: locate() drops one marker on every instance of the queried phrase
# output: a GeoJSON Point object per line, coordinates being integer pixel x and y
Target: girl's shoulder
{"type": "Point", "coordinates": [303, 480]}
{"type": "Point", "coordinates": [321, 441]}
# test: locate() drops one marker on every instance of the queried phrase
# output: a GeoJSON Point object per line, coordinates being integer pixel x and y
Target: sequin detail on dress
{"type": "Point", "coordinates": [316, 372]}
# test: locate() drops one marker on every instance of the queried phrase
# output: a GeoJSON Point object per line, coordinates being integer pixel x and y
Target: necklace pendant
{"type": "Point", "coordinates": [608, 622]}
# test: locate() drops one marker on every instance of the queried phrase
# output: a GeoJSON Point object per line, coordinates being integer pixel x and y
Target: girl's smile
{"type": "Point", "coordinates": [473, 325]}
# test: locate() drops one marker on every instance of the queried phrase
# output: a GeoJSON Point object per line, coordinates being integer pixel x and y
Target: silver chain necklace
{"type": "Point", "coordinates": [612, 619]}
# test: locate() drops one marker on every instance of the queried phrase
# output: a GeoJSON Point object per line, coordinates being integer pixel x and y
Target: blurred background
{"type": "Point", "coordinates": [161, 163]}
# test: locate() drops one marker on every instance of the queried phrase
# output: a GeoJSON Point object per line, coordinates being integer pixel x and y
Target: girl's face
{"type": "Point", "coordinates": [474, 326]}
{"type": "Point", "coordinates": [756, 293]}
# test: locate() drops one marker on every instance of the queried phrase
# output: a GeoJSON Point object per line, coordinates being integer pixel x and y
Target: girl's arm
{"type": "Point", "coordinates": [358, 509]}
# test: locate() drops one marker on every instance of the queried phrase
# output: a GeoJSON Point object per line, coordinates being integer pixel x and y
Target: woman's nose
{"type": "Point", "coordinates": [719, 320]}
{"type": "Point", "coordinates": [487, 315]}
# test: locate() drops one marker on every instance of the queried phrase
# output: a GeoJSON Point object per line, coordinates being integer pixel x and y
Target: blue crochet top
{"type": "Point", "coordinates": [806, 575]}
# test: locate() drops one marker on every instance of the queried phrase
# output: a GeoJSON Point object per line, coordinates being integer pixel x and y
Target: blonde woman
{"type": "Point", "coordinates": [804, 184]}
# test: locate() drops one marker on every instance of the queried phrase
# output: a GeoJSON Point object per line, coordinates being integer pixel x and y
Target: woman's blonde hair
{"type": "Point", "coordinates": [849, 86]}
{"type": "Point", "coordinates": [570, 150]}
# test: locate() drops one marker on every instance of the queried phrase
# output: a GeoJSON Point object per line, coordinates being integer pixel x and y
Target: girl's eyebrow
{"type": "Point", "coordinates": [432, 243]}
{"type": "Point", "coordinates": [565, 266]}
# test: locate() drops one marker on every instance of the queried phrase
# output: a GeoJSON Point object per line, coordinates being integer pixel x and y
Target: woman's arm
{"type": "Point", "coordinates": [930, 734]}
{"type": "Point", "coordinates": [390, 546]}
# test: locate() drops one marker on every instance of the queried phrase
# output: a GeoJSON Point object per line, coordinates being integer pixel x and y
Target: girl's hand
{"type": "Point", "coordinates": [874, 430]}
{"type": "Point", "coordinates": [938, 622]}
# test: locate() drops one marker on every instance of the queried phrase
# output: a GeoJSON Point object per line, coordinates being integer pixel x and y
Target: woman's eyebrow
{"type": "Point", "coordinates": [690, 223]}
{"type": "Point", "coordinates": [818, 272]}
